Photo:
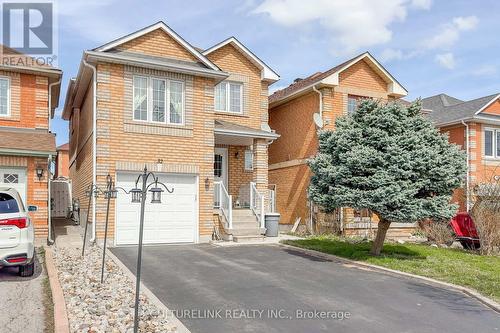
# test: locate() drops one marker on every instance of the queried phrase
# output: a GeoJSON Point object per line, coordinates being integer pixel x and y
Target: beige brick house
{"type": "Point", "coordinates": [197, 118]}
{"type": "Point", "coordinates": [297, 113]}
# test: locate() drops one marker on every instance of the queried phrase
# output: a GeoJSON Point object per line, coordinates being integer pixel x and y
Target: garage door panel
{"type": "Point", "coordinates": [172, 221]}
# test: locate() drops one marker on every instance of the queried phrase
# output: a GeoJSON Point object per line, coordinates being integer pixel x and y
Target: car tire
{"type": "Point", "coordinates": [27, 270]}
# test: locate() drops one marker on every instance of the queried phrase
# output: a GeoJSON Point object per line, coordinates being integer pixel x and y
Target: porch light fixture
{"type": "Point", "coordinates": [39, 172]}
{"type": "Point", "coordinates": [207, 184]}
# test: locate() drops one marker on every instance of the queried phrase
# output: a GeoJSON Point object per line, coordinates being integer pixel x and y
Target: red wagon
{"type": "Point", "coordinates": [465, 230]}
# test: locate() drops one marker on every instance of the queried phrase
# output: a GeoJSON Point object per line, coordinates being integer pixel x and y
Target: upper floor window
{"type": "Point", "coordinates": [4, 96]}
{"type": "Point", "coordinates": [492, 143]}
{"type": "Point", "coordinates": [229, 97]}
{"type": "Point", "coordinates": [352, 103]}
{"type": "Point", "coordinates": [158, 100]}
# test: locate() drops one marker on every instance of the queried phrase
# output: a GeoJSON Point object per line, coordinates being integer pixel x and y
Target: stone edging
{"type": "Point", "coordinates": [149, 294]}
{"type": "Point", "coordinates": [470, 292]}
{"type": "Point", "coordinates": [61, 323]}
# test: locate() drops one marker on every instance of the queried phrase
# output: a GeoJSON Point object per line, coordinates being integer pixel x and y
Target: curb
{"type": "Point", "coordinates": [61, 323]}
{"type": "Point", "coordinates": [149, 294]}
{"type": "Point", "coordinates": [469, 292]}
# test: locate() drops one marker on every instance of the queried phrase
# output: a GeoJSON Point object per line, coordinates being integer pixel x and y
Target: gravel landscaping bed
{"type": "Point", "coordinates": [108, 307]}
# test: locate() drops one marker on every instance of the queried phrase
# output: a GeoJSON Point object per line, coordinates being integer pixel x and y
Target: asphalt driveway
{"type": "Point", "coordinates": [273, 289]}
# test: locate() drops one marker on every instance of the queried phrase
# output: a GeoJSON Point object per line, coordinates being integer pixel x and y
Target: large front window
{"type": "Point", "coordinates": [229, 97]}
{"type": "Point", "coordinates": [4, 96]}
{"type": "Point", "coordinates": [153, 95]}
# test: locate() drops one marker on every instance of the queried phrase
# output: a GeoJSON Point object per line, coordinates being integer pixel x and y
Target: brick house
{"type": "Point", "coordinates": [62, 161]}
{"type": "Point", "coordinates": [198, 118]}
{"type": "Point", "coordinates": [296, 112]}
{"type": "Point", "coordinates": [29, 95]}
{"type": "Point", "coordinates": [475, 126]}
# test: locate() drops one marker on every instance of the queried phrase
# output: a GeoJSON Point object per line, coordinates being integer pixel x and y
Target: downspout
{"type": "Point", "coordinates": [320, 101]}
{"type": "Point", "coordinates": [467, 181]}
{"type": "Point", "coordinates": [50, 237]}
{"type": "Point", "coordinates": [94, 144]}
{"type": "Point", "coordinates": [320, 95]}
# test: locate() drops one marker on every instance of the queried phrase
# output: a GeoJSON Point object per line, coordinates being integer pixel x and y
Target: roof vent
{"type": "Point", "coordinates": [297, 80]}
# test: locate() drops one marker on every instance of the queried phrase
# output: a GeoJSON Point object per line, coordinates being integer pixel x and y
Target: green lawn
{"type": "Point", "coordinates": [481, 273]}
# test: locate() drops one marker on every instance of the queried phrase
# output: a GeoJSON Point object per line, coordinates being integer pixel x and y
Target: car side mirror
{"type": "Point", "coordinates": [32, 208]}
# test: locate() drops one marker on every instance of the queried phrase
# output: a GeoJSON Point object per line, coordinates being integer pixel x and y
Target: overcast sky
{"type": "Point", "coordinates": [430, 46]}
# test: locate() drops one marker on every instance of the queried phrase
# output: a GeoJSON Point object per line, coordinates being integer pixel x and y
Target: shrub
{"type": "Point", "coordinates": [437, 231]}
{"type": "Point", "coordinates": [486, 215]}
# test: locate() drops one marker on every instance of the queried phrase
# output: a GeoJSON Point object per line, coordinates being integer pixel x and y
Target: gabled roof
{"type": "Point", "coordinates": [267, 73]}
{"type": "Point", "coordinates": [447, 109]}
{"type": "Point", "coordinates": [440, 101]}
{"type": "Point", "coordinates": [331, 77]}
{"type": "Point", "coordinates": [159, 25]}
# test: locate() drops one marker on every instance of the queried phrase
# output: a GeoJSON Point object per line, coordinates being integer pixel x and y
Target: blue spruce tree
{"type": "Point", "coordinates": [390, 159]}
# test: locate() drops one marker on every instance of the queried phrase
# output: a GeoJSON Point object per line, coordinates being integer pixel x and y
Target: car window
{"type": "Point", "coordinates": [8, 204]}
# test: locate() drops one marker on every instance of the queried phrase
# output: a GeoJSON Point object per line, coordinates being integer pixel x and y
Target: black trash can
{"type": "Point", "coordinates": [272, 221]}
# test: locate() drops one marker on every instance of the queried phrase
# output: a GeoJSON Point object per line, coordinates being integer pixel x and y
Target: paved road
{"type": "Point", "coordinates": [200, 280]}
{"type": "Point", "coordinates": [22, 300]}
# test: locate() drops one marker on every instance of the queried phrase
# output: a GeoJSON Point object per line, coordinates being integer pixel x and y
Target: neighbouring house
{"type": "Point", "coordinates": [29, 94]}
{"type": "Point", "coordinates": [297, 113]}
{"type": "Point", "coordinates": [62, 161]}
{"type": "Point", "coordinates": [197, 118]}
{"type": "Point", "coordinates": [475, 126]}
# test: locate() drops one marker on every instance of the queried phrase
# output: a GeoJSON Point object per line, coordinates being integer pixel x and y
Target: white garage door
{"type": "Point", "coordinates": [172, 221]}
{"type": "Point", "coordinates": [14, 178]}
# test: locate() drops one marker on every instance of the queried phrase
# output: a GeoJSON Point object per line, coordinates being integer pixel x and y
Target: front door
{"type": "Point", "coordinates": [220, 165]}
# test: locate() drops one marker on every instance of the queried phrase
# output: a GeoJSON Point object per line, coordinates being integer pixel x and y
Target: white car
{"type": "Point", "coordinates": [17, 236]}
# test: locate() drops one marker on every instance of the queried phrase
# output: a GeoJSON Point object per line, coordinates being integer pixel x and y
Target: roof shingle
{"type": "Point", "coordinates": [28, 141]}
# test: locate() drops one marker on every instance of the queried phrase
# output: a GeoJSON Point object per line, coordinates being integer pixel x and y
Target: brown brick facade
{"type": "Point", "coordinates": [293, 120]}
{"type": "Point", "coordinates": [29, 110]}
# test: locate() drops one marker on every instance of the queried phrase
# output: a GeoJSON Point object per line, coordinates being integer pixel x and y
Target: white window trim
{"type": "Point", "coordinates": [167, 101]}
{"type": "Point", "coordinates": [228, 98]}
{"type": "Point", "coordinates": [7, 78]}
{"type": "Point", "coordinates": [495, 131]}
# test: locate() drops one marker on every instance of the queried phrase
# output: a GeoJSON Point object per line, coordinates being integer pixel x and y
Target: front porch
{"type": "Point", "coordinates": [241, 195]}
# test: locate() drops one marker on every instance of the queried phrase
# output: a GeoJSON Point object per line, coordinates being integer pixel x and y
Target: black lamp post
{"type": "Point", "coordinates": [139, 195]}
{"type": "Point", "coordinates": [93, 191]}
{"type": "Point", "coordinates": [109, 194]}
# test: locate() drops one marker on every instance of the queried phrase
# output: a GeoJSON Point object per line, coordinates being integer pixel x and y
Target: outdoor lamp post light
{"type": "Point", "coordinates": [136, 195]}
{"type": "Point", "coordinates": [139, 195]}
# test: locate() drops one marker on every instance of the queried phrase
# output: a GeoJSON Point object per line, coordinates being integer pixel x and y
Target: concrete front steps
{"type": "Point", "coordinates": [245, 226]}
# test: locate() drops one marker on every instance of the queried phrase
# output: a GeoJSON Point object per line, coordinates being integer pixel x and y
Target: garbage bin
{"type": "Point", "coordinates": [272, 221]}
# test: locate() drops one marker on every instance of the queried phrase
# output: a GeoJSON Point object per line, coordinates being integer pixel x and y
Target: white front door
{"type": "Point", "coordinates": [174, 220]}
{"type": "Point", "coordinates": [220, 165]}
{"type": "Point", "coordinates": [14, 178]}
